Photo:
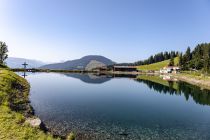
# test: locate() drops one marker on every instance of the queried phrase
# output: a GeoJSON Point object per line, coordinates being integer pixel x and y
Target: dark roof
{"type": "Point", "coordinates": [124, 66]}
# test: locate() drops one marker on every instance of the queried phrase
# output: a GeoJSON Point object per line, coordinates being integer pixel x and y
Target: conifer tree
{"type": "Point", "coordinates": [3, 52]}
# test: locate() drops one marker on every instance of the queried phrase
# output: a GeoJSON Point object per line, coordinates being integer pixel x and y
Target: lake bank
{"type": "Point", "coordinates": [201, 81]}
{"type": "Point", "coordinates": [197, 80]}
{"type": "Point", "coordinates": [15, 109]}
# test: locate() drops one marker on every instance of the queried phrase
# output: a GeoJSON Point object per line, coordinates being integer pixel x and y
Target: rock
{"type": "Point", "coordinates": [34, 122]}
{"type": "Point", "coordinates": [123, 134]}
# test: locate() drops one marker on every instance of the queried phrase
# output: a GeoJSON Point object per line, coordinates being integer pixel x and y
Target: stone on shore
{"type": "Point", "coordinates": [34, 122]}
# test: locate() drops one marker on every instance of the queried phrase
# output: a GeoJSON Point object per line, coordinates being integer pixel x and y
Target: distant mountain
{"type": "Point", "coordinates": [14, 62]}
{"type": "Point", "coordinates": [88, 62]}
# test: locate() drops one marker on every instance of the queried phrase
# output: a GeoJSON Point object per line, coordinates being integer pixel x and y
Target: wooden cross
{"type": "Point", "coordinates": [24, 64]}
{"type": "Point", "coordinates": [24, 74]}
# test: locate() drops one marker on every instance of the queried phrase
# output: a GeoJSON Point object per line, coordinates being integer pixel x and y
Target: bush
{"type": "Point", "coordinates": [71, 136]}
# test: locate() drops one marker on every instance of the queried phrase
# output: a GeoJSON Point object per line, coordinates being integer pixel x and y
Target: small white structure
{"type": "Point", "coordinates": [170, 69]}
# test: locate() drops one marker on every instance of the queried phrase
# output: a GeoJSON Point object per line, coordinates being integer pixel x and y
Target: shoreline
{"type": "Point", "coordinates": [16, 111]}
{"type": "Point", "coordinates": [189, 78]}
{"type": "Point", "coordinates": [202, 82]}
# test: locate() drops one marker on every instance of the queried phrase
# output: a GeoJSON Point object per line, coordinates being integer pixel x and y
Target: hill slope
{"type": "Point", "coordinates": [157, 66]}
{"type": "Point", "coordinates": [14, 62]}
{"type": "Point", "coordinates": [87, 62]}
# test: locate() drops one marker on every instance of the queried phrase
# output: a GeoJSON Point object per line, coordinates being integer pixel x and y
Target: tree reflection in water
{"type": "Point", "coordinates": [201, 97]}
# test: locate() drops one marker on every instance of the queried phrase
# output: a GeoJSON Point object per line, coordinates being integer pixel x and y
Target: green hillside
{"type": "Point", "coordinates": [157, 66]}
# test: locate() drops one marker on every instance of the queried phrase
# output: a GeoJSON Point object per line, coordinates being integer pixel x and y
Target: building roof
{"type": "Point", "coordinates": [124, 66]}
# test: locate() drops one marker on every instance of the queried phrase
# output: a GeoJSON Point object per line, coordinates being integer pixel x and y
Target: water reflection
{"type": "Point", "coordinates": [178, 88]}
{"type": "Point", "coordinates": [24, 74]}
{"type": "Point", "coordinates": [89, 77]}
{"type": "Point", "coordinates": [95, 78]}
{"type": "Point", "coordinates": [161, 84]}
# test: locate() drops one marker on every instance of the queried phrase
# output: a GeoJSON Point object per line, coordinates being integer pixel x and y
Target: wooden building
{"type": "Point", "coordinates": [125, 68]}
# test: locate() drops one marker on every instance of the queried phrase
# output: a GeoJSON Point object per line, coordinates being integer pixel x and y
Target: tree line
{"type": "Point", "coordinates": [198, 59]}
{"type": "Point", "coordinates": [158, 58]}
{"type": "Point", "coordinates": [155, 58]}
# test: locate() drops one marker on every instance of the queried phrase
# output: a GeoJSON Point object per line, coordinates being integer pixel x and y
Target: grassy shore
{"type": "Point", "coordinates": [15, 108]}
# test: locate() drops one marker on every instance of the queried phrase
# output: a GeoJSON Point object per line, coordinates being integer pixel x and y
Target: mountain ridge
{"type": "Point", "coordinates": [80, 64]}
{"type": "Point", "coordinates": [16, 62]}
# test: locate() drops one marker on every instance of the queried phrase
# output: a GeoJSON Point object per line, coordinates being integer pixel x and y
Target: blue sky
{"type": "Point", "coordinates": [122, 30]}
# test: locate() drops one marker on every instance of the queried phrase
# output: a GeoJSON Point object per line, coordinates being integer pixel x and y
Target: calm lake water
{"type": "Point", "coordinates": [102, 107]}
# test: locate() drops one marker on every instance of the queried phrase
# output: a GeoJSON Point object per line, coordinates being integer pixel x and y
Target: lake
{"type": "Point", "coordinates": [105, 107]}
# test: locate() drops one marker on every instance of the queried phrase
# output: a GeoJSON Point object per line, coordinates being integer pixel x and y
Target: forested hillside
{"type": "Point", "coordinates": [198, 59]}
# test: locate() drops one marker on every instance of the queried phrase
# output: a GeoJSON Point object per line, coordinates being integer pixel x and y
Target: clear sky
{"type": "Point", "coordinates": [122, 30]}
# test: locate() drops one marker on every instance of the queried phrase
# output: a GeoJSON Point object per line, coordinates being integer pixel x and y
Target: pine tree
{"type": "Point", "coordinates": [3, 52]}
{"type": "Point", "coordinates": [180, 60]}
{"type": "Point", "coordinates": [171, 63]}
{"type": "Point", "coordinates": [188, 54]}
{"type": "Point", "coordinates": [206, 58]}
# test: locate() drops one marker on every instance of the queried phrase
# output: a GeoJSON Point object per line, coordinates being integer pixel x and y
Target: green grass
{"type": "Point", "coordinates": [198, 75]}
{"type": "Point", "coordinates": [156, 66]}
{"type": "Point", "coordinates": [14, 92]}
{"type": "Point", "coordinates": [3, 66]}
